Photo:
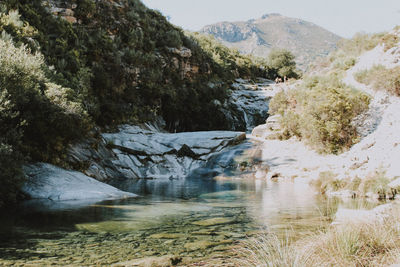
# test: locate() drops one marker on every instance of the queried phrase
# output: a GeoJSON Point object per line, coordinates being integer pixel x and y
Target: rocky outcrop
{"type": "Point", "coordinates": [46, 181]}
{"type": "Point", "coordinates": [137, 153]}
{"type": "Point", "coordinates": [247, 106]}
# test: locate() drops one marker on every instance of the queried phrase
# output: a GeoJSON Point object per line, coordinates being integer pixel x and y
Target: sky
{"type": "Point", "coordinates": [343, 17]}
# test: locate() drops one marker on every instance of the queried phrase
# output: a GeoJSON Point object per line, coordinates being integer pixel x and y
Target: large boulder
{"type": "Point", "coordinates": [45, 181]}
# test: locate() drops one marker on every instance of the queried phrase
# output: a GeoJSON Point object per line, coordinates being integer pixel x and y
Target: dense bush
{"type": "Point", "coordinates": [381, 78]}
{"type": "Point", "coordinates": [320, 112]}
{"type": "Point", "coordinates": [245, 66]}
{"type": "Point", "coordinates": [37, 118]}
{"type": "Point", "coordinates": [281, 62]}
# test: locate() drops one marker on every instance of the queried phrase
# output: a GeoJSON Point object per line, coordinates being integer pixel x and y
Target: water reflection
{"type": "Point", "coordinates": [194, 218]}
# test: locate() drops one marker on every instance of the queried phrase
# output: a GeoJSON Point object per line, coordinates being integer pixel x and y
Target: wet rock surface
{"type": "Point", "coordinates": [137, 153]}
{"type": "Point", "coordinates": [247, 106]}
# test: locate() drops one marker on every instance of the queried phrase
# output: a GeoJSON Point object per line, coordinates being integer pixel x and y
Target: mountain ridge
{"type": "Point", "coordinates": [306, 40]}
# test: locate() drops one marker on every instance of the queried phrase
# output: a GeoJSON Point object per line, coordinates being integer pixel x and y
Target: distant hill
{"type": "Point", "coordinates": [305, 40]}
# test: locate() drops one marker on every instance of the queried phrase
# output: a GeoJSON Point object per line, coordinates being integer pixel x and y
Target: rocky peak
{"type": "Point", "coordinates": [271, 15]}
{"type": "Point", "coordinates": [230, 32]}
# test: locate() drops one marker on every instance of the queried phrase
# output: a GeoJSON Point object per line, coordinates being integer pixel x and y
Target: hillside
{"type": "Point", "coordinates": [70, 70]}
{"type": "Point", "coordinates": [305, 40]}
{"type": "Point", "coordinates": [348, 108]}
{"type": "Point", "coordinates": [328, 112]}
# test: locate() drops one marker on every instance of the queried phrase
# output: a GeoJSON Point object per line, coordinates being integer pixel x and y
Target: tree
{"type": "Point", "coordinates": [283, 64]}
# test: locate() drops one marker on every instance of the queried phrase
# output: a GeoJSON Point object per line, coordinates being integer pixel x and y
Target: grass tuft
{"type": "Point", "coordinates": [366, 244]}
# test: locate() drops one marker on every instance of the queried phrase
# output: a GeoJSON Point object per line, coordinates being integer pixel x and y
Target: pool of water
{"type": "Point", "coordinates": [198, 221]}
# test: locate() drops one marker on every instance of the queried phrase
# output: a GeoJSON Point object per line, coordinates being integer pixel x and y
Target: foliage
{"type": "Point", "coordinates": [279, 103]}
{"type": "Point", "coordinates": [118, 63]}
{"type": "Point", "coordinates": [326, 182]}
{"type": "Point", "coordinates": [374, 183]}
{"type": "Point", "coordinates": [124, 63]}
{"type": "Point", "coordinates": [282, 63]}
{"type": "Point", "coordinates": [245, 66]}
{"type": "Point", "coordinates": [348, 50]}
{"type": "Point", "coordinates": [320, 112]}
{"type": "Point", "coordinates": [381, 78]}
{"type": "Point", "coordinates": [360, 43]}
{"type": "Point", "coordinates": [37, 118]}
{"type": "Point", "coordinates": [11, 175]}
{"type": "Point", "coordinates": [390, 40]}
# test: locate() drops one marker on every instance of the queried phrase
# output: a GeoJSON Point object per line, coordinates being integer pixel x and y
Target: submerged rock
{"type": "Point", "coordinates": [166, 236]}
{"type": "Point", "coordinates": [168, 260]}
{"type": "Point", "coordinates": [200, 245]}
{"type": "Point", "coordinates": [46, 181]}
{"type": "Point", "coordinates": [214, 221]}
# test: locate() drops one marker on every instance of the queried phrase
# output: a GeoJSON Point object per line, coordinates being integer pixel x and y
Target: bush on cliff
{"type": "Point", "coordinates": [37, 118]}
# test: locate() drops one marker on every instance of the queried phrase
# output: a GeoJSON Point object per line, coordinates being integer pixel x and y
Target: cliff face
{"type": "Point", "coordinates": [305, 40]}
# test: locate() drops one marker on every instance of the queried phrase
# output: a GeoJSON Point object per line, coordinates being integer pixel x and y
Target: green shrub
{"type": "Point", "coordinates": [282, 63]}
{"type": "Point", "coordinates": [37, 118]}
{"type": "Point", "coordinates": [381, 78]}
{"type": "Point", "coordinates": [320, 112]}
{"type": "Point", "coordinates": [279, 103]}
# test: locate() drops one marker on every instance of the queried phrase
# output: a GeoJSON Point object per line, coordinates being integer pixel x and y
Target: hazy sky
{"type": "Point", "coordinates": [343, 17]}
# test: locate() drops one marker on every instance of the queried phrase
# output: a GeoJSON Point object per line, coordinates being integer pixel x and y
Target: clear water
{"type": "Point", "coordinates": [194, 222]}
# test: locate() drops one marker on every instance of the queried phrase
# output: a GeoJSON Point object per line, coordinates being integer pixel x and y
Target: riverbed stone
{"type": "Point", "coordinates": [167, 236]}
{"type": "Point", "coordinates": [199, 245]}
{"type": "Point", "coordinates": [214, 221]}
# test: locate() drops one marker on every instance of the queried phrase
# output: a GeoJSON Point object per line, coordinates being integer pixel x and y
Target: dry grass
{"type": "Point", "coordinates": [375, 183]}
{"type": "Point", "coordinates": [368, 244]}
{"type": "Point", "coordinates": [381, 78]}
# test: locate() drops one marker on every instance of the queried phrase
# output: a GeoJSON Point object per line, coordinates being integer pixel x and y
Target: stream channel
{"type": "Point", "coordinates": [198, 221]}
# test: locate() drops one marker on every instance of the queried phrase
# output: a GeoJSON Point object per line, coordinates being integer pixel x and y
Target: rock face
{"type": "Point", "coordinates": [258, 36]}
{"type": "Point", "coordinates": [137, 153]}
{"type": "Point", "coordinates": [46, 181]}
{"type": "Point", "coordinates": [247, 106]}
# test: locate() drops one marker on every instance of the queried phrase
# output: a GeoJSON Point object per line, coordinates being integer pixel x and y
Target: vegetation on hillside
{"type": "Point", "coordinates": [381, 78]}
{"type": "Point", "coordinates": [230, 59]}
{"type": "Point", "coordinates": [320, 112]}
{"type": "Point", "coordinates": [104, 64]}
{"type": "Point", "coordinates": [345, 56]}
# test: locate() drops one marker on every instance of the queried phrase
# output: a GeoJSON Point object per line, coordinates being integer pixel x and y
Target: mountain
{"type": "Point", "coordinates": [305, 40]}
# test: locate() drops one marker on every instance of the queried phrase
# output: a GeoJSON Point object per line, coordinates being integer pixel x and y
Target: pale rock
{"type": "Point", "coordinates": [45, 181]}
